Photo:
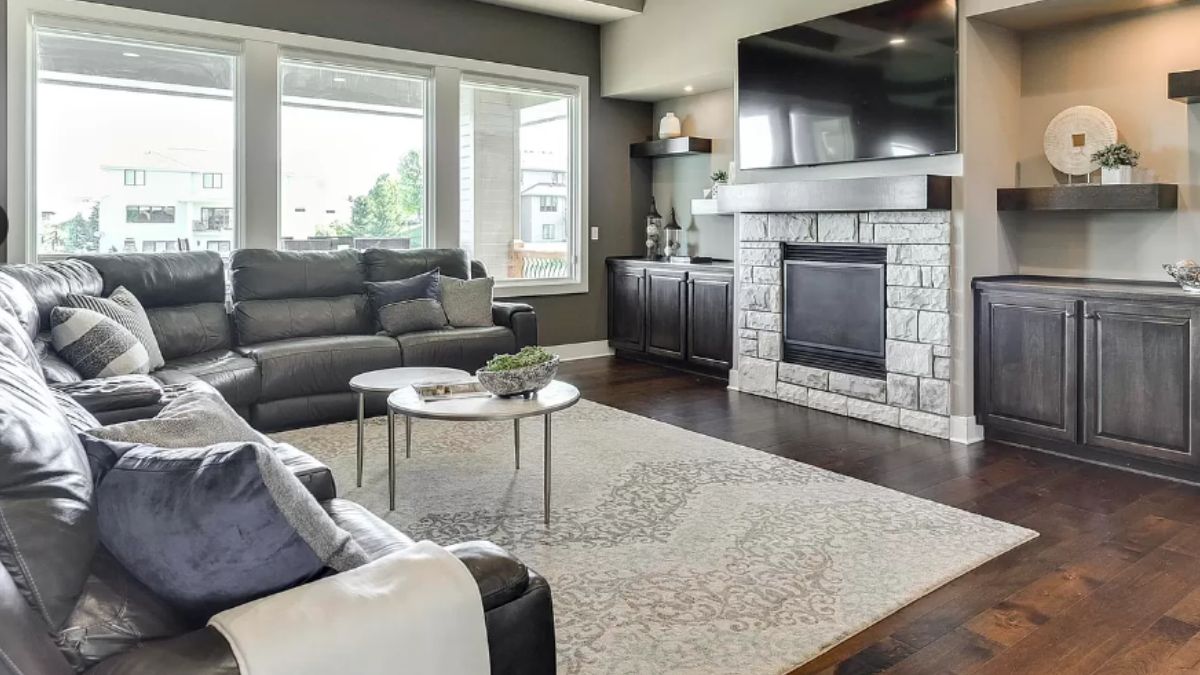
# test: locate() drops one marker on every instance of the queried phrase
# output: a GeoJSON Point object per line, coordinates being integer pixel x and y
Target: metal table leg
{"type": "Point", "coordinates": [361, 413]}
{"type": "Point", "coordinates": [546, 478]}
{"type": "Point", "coordinates": [391, 424]}
{"type": "Point", "coordinates": [407, 437]}
{"type": "Point", "coordinates": [517, 441]}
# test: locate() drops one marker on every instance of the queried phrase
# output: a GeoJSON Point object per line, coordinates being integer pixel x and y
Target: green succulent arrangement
{"type": "Point", "coordinates": [527, 357]}
{"type": "Point", "coordinates": [1116, 155]}
{"type": "Point", "coordinates": [720, 176]}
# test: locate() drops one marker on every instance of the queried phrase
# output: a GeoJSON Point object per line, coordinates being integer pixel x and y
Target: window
{"type": "Point", "coordinates": [222, 246]}
{"type": "Point", "coordinates": [149, 214]}
{"type": "Point", "coordinates": [354, 137]}
{"type": "Point", "coordinates": [214, 219]}
{"type": "Point", "coordinates": [518, 155]}
{"type": "Point", "coordinates": [157, 114]}
{"type": "Point", "coordinates": [214, 181]}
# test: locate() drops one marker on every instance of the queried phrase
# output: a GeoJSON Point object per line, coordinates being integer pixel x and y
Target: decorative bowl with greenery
{"type": "Point", "coordinates": [520, 374]}
{"type": "Point", "coordinates": [1116, 163]}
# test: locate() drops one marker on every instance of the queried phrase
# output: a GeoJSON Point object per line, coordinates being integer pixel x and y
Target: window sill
{"type": "Point", "coordinates": [525, 289]}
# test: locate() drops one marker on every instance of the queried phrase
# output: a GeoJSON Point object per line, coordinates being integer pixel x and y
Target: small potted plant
{"type": "Point", "coordinates": [719, 178]}
{"type": "Point", "coordinates": [1116, 163]}
{"type": "Point", "coordinates": [520, 374]}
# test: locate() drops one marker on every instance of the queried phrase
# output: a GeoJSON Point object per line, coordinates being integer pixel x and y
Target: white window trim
{"type": "Point", "coordinates": [257, 187]}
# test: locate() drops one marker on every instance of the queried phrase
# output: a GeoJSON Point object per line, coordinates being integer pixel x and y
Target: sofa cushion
{"type": "Point", "coordinates": [96, 345]}
{"type": "Point", "coordinates": [463, 348]}
{"type": "Point", "coordinates": [260, 321]}
{"type": "Point", "coordinates": [163, 279]}
{"type": "Point", "coordinates": [468, 304]}
{"type": "Point", "coordinates": [262, 274]}
{"type": "Point", "coordinates": [188, 330]}
{"type": "Point", "coordinates": [315, 476]}
{"type": "Point", "coordinates": [211, 528]}
{"type": "Point", "coordinates": [375, 536]}
{"type": "Point", "coordinates": [389, 265]}
{"type": "Point", "coordinates": [123, 307]}
{"type": "Point", "coordinates": [229, 372]}
{"type": "Point", "coordinates": [55, 369]}
{"type": "Point", "coordinates": [48, 283]}
{"type": "Point", "coordinates": [15, 339]}
{"type": "Point", "coordinates": [114, 393]}
{"type": "Point", "coordinates": [77, 416]}
{"type": "Point", "coordinates": [319, 365]}
{"type": "Point", "coordinates": [16, 300]}
{"type": "Point", "coordinates": [47, 527]}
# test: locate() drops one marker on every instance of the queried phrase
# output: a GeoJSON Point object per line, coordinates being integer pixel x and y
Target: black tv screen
{"type": "Point", "coordinates": [873, 83]}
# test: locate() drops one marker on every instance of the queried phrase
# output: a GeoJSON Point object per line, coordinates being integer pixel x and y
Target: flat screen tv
{"type": "Point", "coordinates": [872, 83]}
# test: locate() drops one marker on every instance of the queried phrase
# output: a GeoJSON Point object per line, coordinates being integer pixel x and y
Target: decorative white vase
{"type": "Point", "coordinates": [670, 127]}
{"type": "Point", "coordinates": [1121, 175]}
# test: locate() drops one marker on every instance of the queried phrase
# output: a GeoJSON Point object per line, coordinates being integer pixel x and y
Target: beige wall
{"type": "Point", "coordinates": [676, 182]}
{"type": "Point", "coordinates": [1120, 66]}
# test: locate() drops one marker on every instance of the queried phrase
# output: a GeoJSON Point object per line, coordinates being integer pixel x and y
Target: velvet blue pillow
{"type": "Point", "coordinates": [208, 529]}
{"type": "Point", "coordinates": [422, 286]}
{"type": "Point", "coordinates": [408, 305]}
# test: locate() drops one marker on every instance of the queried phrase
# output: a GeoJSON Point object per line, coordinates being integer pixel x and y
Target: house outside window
{"type": "Point", "coordinates": [548, 204]}
{"type": "Point", "coordinates": [214, 181]}
{"type": "Point", "coordinates": [214, 219]}
{"type": "Point", "coordinates": [135, 177]}
{"type": "Point", "coordinates": [150, 214]}
{"type": "Point", "coordinates": [159, 246]}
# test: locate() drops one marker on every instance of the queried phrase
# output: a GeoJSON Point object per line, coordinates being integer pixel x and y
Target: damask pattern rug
{"type": "Point", "coordinates": [669, 551]}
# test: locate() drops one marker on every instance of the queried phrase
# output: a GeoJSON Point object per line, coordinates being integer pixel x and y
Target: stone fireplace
{"type": "Point", "coordinates": [870, 334]}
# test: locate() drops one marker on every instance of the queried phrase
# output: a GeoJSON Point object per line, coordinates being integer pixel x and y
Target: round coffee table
{"type": "Point", "coordinates": [387, 381]}
{"type": "Point", "coordinates": [555, 397]}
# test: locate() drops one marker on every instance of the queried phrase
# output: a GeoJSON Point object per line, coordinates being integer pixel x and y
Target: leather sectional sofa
{"type": "Point", "coordinates": [283, 346]}
{"type": "Point", "coordinates": [296, 318]}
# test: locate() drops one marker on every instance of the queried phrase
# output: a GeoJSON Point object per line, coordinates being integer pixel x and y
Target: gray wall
{"type": "Point", "coordinates": [617, 189]}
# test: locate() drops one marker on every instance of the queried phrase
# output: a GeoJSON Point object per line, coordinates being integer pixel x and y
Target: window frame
{"type": "Point", "coordinates": [258, 177]}
{"type": "Point", "coordinates": [217, 182]}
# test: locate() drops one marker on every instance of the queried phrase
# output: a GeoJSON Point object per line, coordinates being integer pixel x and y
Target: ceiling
{"type": "Point", "coordinates": [590, 11]}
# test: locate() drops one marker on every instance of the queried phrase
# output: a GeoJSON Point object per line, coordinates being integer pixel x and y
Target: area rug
{"type": "Point", "coordinates": [669, 551]}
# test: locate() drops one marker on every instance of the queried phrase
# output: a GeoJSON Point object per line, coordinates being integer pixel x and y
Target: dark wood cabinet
{"type": "Point", "coordinates": [627, 300]}
{"type": "Point", "coordinates": [1105, 370]}
{"type": "Point", "coordinates": [675, 314]}
{"type": "Point", "coordinates": [1028, 365]}
{"type": "Point", "coordinates": [666, 312]}
{"type": "Point", "coordinates": [1140, 378]}
{"type": "Point", "coordinates": [710, 328]}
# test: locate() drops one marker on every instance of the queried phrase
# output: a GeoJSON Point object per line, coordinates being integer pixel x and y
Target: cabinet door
{"type": "Point", "coordinates": [627, 308]}
{"type": "Point", "coordinates": [1141, 379]}
{"type": "Point", "coordinates": [666, 307]}
{"type": "Point", "coordinates": [710, 320]}
{"type": "Point", "coordinates": [1029, 364]}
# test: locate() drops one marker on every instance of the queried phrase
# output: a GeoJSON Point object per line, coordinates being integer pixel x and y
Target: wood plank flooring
{"type": "Point", "coordinates": [1111, 586]}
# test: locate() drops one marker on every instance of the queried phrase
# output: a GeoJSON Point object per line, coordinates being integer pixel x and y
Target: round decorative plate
{"type": "Point", "coordinates": [1074, 135]}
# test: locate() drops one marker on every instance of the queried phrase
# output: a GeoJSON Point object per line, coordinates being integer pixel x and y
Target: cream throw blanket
{"type": "Point", "coordinates": [415, 611]}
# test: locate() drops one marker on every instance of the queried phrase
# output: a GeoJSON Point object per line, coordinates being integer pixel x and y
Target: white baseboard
{"type": "Point", "coordinates": [581, 350]}
{"type": "Point", "coordinates": [963, 429]}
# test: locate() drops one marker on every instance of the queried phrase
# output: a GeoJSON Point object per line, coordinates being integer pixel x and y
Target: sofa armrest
{"type": "Point", "coordinates": [519, 318]}
{"type": "Point", "coordinates": [25, 645]}
{"type": "Point", "coordinates": [200, 652]}
{"type": "Point", "coordinates": [501, 577]}
{"type": "Point", "coordinates": [114, 393]}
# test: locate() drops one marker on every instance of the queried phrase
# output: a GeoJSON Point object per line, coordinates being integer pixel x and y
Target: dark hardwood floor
{"type": "Point", "coordinates": [1112, 585]}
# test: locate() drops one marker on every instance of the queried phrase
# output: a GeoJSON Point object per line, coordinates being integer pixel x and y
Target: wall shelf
{"type": "Point", "coordinates": [672, 147]}
{"type": "Point", "coordinates": [1140, 197]}
{"type": "Point", "coordinates": [707, 207]}
{"type": "Point", "coordinates": [1184, 87]}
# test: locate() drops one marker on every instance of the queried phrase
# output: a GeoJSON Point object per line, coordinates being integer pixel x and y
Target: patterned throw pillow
{"type": "Point", "coordinates": [408, 305]}
{"type": "Point", "coordinates": [468, 303]}
{"type": "Point", "coordinates": [124, 308]}
{"type": "Point", "coordinates": [96, 345]}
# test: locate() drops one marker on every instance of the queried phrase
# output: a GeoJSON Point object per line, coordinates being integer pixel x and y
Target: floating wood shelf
{"type": "Point", "coordinates": [707, 207]}
{"type": "Point", "coordinates": [672, 147]}
{"type": "Point", "coordinates": [1141, 197]}
{"type": "Point", "coordinates": [1184, 87]}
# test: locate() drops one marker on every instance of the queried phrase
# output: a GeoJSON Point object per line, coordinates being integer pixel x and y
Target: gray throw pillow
{"type": "Point", "coordinates": [409, 316]}
{"type": "Point", "coordinates": [123, 307]}
{"type": "Point", "coordinates": [195, 419]}
{"type": "Point", "coordinates": [468, 303]}
{"type": "Point", "coordinates": [96, 345]}
{"type": "Point", "coordinates": [207, 529]}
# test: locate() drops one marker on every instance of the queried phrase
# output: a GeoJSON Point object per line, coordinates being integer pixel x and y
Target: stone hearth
{"type": "Point", "coordinates": [916, 392]}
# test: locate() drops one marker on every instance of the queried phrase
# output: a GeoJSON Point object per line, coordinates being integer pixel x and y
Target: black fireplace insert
{"type": "Point", "coordinates": [835, 307]}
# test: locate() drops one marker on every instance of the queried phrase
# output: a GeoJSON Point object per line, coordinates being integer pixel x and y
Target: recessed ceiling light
{"type": "Point", "coordinates": [689, 89]}
{"type": "Point", "coordinates": [897, 41]}
{"type": "Point", "coordinates": [132, 55]}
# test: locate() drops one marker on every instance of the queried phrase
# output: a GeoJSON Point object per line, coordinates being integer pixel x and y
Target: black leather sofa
{"type": "Point", "coordinates": [61, 594]}
{"type": "Point", "coordinates": [283, 346]}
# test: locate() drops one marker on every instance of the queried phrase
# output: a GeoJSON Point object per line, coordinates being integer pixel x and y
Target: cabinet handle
{"type": "Point", "coordinates": [1070, 314]}
{"type": "Point", "coordinates": [1091, 315]}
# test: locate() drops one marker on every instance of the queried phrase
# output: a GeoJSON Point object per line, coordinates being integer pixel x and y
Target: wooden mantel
{"type": "Point", "coordinates": [883, 193]}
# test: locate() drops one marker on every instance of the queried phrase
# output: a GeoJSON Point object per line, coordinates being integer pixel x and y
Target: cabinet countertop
{"type": "Point", "coordinates": [1165, 291]}
{"type": "Point", "coordinates": [717, 265]}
